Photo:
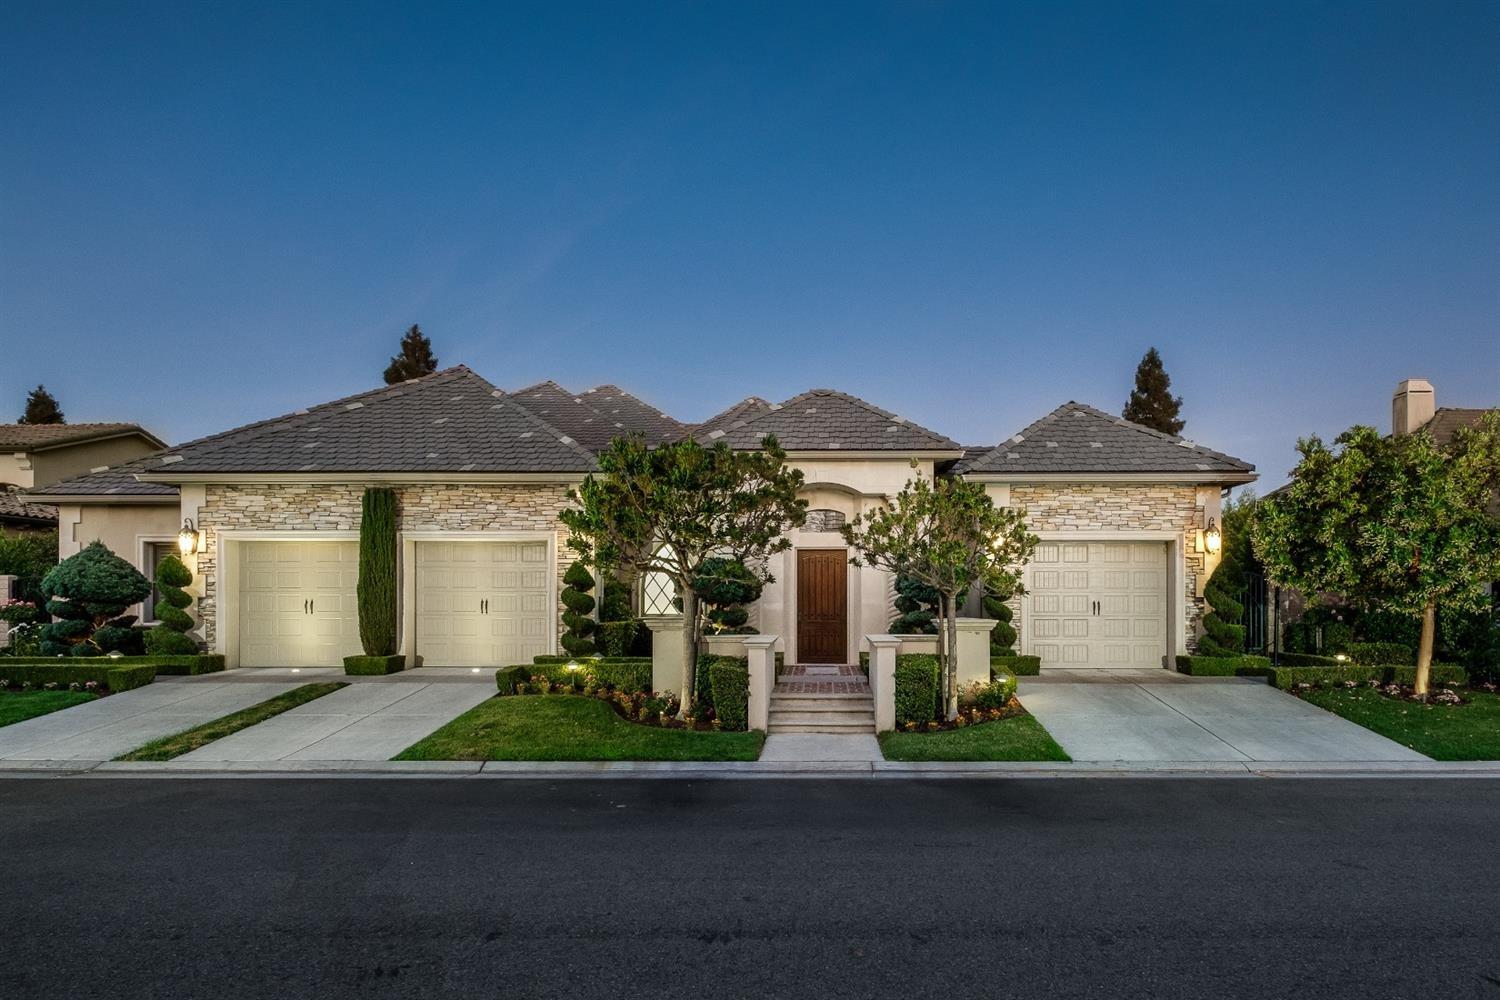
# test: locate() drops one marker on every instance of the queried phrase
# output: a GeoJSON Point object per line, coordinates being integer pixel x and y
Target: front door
{"type": "Point", "coordinates": [822, 577]}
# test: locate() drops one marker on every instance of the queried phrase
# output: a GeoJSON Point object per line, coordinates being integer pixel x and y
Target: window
{"type": "Point", "coordinates": [823, 519]}
{"type": "Point", "coordinates": [152, 555]}
{"type": "Point", "coordinates": [658, 594]}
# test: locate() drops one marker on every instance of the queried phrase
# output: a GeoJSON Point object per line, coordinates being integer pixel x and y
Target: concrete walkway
{"type": "Point", "coordinates": [362, 722]}
{"type": "Point", "coordinates": [116, 724]}
{"type": "Point", "coordinates": [1156, 716]}
{"type": "Point", "coordinates": [820, 748]}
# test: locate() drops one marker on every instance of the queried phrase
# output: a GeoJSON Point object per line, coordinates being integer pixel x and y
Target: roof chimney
{"type": "Point", "coordinates": [1412, 406]}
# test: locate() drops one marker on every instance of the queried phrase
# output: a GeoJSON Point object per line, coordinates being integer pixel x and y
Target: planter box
{"type": "Point", "coordinates": [356, 666]}
{"type": "Point", "coordinates": [724, 645]}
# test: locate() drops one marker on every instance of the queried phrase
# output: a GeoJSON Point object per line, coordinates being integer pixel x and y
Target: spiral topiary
{"type": "Point", "coordinates": [578, 639]}
{"type": "Point", "coordinates": [1222, 633]}
{"type": "Point", "coordinates": [169, 637]}
{"type": "Point", "coordinates": [917, 604]}
{"type": "Point", "coordinates": [1003, 635]}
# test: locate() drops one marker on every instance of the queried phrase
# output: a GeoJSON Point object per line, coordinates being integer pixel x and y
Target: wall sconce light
{"type": "Point", "coordinates": [188, 537]}
{"type": "Point", "coordinates": [1210, 539]}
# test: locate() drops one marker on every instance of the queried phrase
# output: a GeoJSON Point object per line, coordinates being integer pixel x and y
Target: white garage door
{"type": "Point", "coordinates": [1098, 604]}
{"type": "Point", "coordinates": [297, 603]}
{"type": "Point", "coordinates": [483, 604]}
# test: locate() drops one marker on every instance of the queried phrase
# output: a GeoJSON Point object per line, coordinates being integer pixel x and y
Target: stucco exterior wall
{"type": "Point", "coordinates": [57, 464]}
{"type": "Point", "coordinates": [15, 468]}
{"type": "Point", "coordinates": [227, 509]}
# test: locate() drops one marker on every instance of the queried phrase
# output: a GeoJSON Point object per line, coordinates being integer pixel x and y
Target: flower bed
{"type": "Point", "coordinates": [657, 709]}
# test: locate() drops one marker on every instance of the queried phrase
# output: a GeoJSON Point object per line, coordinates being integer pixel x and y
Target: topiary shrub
{"type": "Point", "coordinates": [1379, 654]}
{"type": "Point", "coordinates": [617, 638]}
{"type": "Point", "coordinates": [918, 605]}
{"type": "Point", "coordinates": [169, 637]}
{"type": "Point", "coordinates": [916, 685]}
{"type": "Point", "coordinates": [614, 604]}
{"type": "Point", "coordinates": [1223, 635]}
{"type": "Point", "coordinates": [377, 588]}
{"type": "Point", "coordinates": [89, 592]}
{"type": "Point", "coordinates": [725, 586]}
{"type": "Point", "coordinates": [1020, 666]}
{"type": "Point", "coordinates": [1003, 635]}
{"type": "Point", "coordinates": [578, 602]}
{"type": "Point", "coordinates": [731, 686]}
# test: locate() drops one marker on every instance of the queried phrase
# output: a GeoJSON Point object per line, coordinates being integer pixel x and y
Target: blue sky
{"type": "Point", "coordinates": [966, 213]}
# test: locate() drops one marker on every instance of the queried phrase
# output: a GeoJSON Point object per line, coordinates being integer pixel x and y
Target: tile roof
{"type": "Point", "coordinates": [37, 437]}
{"type": "Point", "coordinates": [1448, 420]}
{"type": "Point", "coordinates": [113, 480]}
{"type": "Point", "coordinates": [450, 421]}
{"type": "Point", "coordinates": [826, 420]}
{"type": "Point", "coordinates": [634, 415]}
{"type": "Point", "coordinates": [746, 408]}
{"type": "Point", "coordinates": [588, 426]}
{"type": "Point", "coordinates": [1079, 438]}
{"type": "Point", "coordinates": [15, 507]}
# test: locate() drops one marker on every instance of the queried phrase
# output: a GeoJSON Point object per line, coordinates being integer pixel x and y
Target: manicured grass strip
{"type": "Point", "coordinates": [1019, 737]}
{"type": "Point", "coordinates": [191, 739]}
{"type": "Point", "coordinates": [18, 706]}
{"type": "Point", "coordinates": [570, 727]}
{"type": "Point", "coordinates": [1442, 732]}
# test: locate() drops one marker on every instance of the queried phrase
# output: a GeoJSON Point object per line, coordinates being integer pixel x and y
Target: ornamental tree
{"type": "Point", "coordinates": [377, 590]}
{"type": "Point", "coordinates": [950, 536]}
{"type": "Point", "coordinates": [89, 592]}
{"type": "Point", "coordinates": [170, 636]}
{"type": "Point", "coordinates": [1394, 523]}
{"type": "Point", "coordinates": [672, 509]}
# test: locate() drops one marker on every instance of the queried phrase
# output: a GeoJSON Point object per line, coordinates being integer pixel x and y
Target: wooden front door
{"type": "Point", "coordinates": [822, 577]}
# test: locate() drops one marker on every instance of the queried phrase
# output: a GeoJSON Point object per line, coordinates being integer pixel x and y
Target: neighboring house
{"type": "Point", "coordinates": [481, 475]}
{"type": "Point", "coordinates": [18, 513]}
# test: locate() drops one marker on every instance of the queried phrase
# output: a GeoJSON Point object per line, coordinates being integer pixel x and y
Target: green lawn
{"type": "Point", "coordinates": [191, 739]}
{"type": "Point", "coordinates": [570, 727]}
{"type": "Point", "coordinates": [18, 706]}
{"type": "Point", "coordinates": [1442, 732]}
{"type": "Point", "coordinates": [1019, 737]}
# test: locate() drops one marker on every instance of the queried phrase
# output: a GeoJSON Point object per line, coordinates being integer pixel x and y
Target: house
{"type": "Point", "coordinates": [38, 455]}
{"type": "Point", "coordinates": [481, 475]}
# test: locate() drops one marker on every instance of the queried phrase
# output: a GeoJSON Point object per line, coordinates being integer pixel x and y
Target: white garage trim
{"type": "Point", "coordinates": [227, 596]}
{"type": "Point", "coordinates": [409, 540]}
{"type": "Point", "coordinates": [1176, 643]}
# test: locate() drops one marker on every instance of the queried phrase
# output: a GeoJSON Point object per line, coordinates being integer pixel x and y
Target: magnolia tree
{"type": "Point", "coordinates": [950, 536]}
{"type": "Point", "coordinates": [682, 509]}
{"type": "Point", "coordinates": [1394, 523]}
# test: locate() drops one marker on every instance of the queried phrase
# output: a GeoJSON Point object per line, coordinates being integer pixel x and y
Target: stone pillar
{"type": "Point", "coordinates": [7, 584]}
{"type": "Point", "coordinates": [760, 659]}
{"type": "Point", "coordinates": [883, 679]}
{"type": "Point", "coordinates": [974, 650]}
{"type": "Point", "coordinates": [668, 672]}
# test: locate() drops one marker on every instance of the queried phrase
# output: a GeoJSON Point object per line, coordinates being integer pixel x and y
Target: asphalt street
{"type": "Point", "coordinates": [225, 888]}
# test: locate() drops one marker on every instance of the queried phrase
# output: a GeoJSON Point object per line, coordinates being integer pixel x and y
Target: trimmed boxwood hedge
{"type": "Point", "coordinates": [1224, 666]}
{"type": "Point", "coordinates": [104, 672]}
{"type": "Point", "coordinates": [1286, 678]}
{"type": "Point", "coordinates": [730, 680]}
{"type": "Point", "coordinates": [364, 666]}
{"type": "Point", "coordinates": [629, 675]}
{"type": "Point", "coordinates": [549, 658]}
{"type": "Point", "coordinates": [916, 688]}
{"type": "Point", "coordinates": [506, 678]}
{"type": "Point", "coordinates": [1368, 654]}
{"type": "Point", "coordinates": [1307, 660]}
{"type": "Point", "coordinates": [1018, 666]}
{"type": "Point", "coordinates": [164, 664]}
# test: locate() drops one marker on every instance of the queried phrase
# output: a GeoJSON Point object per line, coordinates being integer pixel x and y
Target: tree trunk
{"type": "Point", "coordinates": [689, 650]}
{"type": "Point", "coordinates": [1424, 648]}
{"type": "Point", "coordinates": [950, 660]}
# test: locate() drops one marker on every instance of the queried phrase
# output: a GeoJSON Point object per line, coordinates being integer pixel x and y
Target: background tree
{"type": "Point", "coordinates": [170, 636]}
{"type": "Point", "coordinates": [671, 509]}
{"type": "Point", "coordinates": [1151, 402]}
{"type": "Point", "coordinates": [376, 591]}
{"type": "Point", "coordinates": [89, 592]}
{"type": "Point", "coordinates": [948, 535]}
{"type": "Point", "coordinates": [42, 408]}
{"type": "Point", "coordinates": [414, 360]}
{"type": "Point", "coordinates": [28, 556]}
{"type": "Point", "coordinates": [1390, 522]}
{"type": "Point", "coordinates": [578, 640]}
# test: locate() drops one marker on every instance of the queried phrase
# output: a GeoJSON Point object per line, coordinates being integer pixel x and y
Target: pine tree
{"type": "Point", "coordinates": [1151, 402]}
{"type": "Point", "coordinates": [415, 360]}
{"type": "Point", "coordinates": [42, 408]}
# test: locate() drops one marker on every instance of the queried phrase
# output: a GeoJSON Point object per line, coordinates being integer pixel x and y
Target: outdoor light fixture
{"type": "Point", "coordinates": [572, 666]}
{"type": "Point", "coordinates": [187, 538]}
{"type": "Point", "coordinates": [1210, 539]}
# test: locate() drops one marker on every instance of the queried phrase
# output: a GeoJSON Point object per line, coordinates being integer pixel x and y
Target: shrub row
{"type": "Point", "coordinates": [1372, 654]}
{"type": "Point", "coordinates": [107, 674]}
{"type": "Point", "coordinates": [549, 658]}
{"type": "Point", "coordinates": [360, 666]}
{"type": "Point", "coordinates": [1224, 666]}
{"type": "Point", "coordinates": [1287, 678]}
{"type": "Point", "coordinates": [628, 675]}
{"type": "Point", "coordinates": [730, 680]}
{"type": "Point", "coordinates": [703, 690]}
{"type": "Point", "coordinates": [1019, 666]}
{"type": "Point", "coordinates": [163, 664]}
{"type": "Point", "coordinates": [1307, 660]}
{"type": "Point", "coordinates": [916, 688]}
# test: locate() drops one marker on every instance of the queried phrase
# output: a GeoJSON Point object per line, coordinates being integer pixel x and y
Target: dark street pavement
{"type": "Point", "coordinates": [334, 888]}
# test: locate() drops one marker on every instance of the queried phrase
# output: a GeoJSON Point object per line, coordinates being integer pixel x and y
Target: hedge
{"type": "Point", "coordinates": [1224, 666]}
{"type": "Point", "coordinates": [916, 688]}
{"type": "Point", "coordinates": [1287, 678]}
{"type": "Point", "coordinates": [506, 678]}
{"type": "Point", "coordinates": [703, 691]}
{"type": "Point", "coordinates": [616, 638]}
{"type": "Point", "coordinates": [107, 674]}
{"type": "Point", "coordinates": [164, 664]}
{"type": "Point", "coordinates": [1018, 666]}
{"type": "Point", "coordinates": [1370, 654]}
{"type": "Point", "coordinates": [363, 666]}
{"type": "Point", "coordinates": [549, 658]}
{"type": "Point", "coordinates": [1308, 660]}
{"type": "Point", "coordinates": [730, 681]}
{"type": "Point", "coordinates": [629, 675]}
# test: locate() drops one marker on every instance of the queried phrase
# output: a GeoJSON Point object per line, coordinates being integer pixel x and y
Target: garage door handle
{"type": "Point", "coordinates": [312, 607]}
{"type": "Point", "coordinates": [304, 608]}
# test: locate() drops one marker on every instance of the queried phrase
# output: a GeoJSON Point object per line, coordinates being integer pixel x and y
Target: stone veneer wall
{"type": "Point", "coordinates": [297, 507]}
{"type": "Point", "coordinates": [1106, 506]}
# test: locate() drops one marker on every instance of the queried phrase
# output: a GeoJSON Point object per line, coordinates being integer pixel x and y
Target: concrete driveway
{"type": "Point", "coordinates": [1162, 716]}
{"type": "Point", "coordinates": [364, 721]}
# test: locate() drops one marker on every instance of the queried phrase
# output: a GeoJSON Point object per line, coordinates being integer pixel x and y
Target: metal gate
{"type": "Point", "coordinates": [1253, 617]}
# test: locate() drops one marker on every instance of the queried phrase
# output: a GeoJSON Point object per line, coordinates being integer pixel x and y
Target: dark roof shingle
{"type": "Point", "coordinates": [14, 506]}
{"type": "Point", "coordinates": [633, 415]}
{"type": "Point", "coordinates": [37, 437]}
{"type": "Point", "coordinates": [826, 420]}
{"type": "Point", "coordinates": [1449, 420]}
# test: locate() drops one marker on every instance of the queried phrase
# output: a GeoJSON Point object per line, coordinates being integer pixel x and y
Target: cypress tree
{"type": "Point", "coordinates": [42, 408]}
{"type": "Point", "coordinates": [1151, 402]}
{"type": "Point", "coordinates": [376, 591]}
{"type": "Point", "coordinates": [414, 360]}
